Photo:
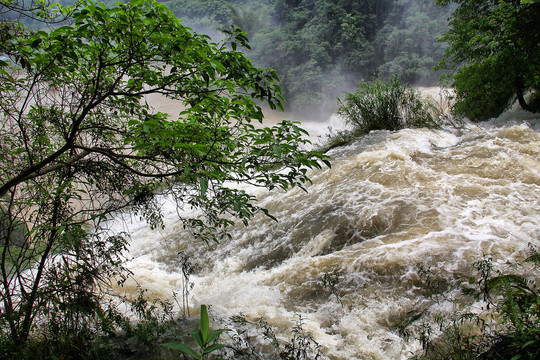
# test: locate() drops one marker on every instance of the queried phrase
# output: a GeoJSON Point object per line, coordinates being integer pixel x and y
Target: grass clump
{"type": "Point", "coordinates": [379, 105]}
{"type": "Point", "coordinates": [391, 105]}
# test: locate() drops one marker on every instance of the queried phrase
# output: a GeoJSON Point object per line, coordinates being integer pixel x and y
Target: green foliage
{"type": "Point", "coordinates": [406, 45]}
{"type": "Point", "coordinates": [204, 338]}
{"type": "Point", "coordinates": [509, 326]}
{"type": "Point", "coordinates": [217, 9]}
{"type": "Point", "coordinates": [320, 41]}
{"type": "Point", "coordinates": [385, 106]}
{"type": "Point", "coordinates": [188, 268]}
{"type": "Point", "coordinates": [338, 138]}
{"type": "Point", "coordinates": [114, 335]}
{"type": "Point", "coordinates": [330, 281]}
{"type": "Point", "coordinates": [79, 142]}
{"type": "Point", "coordinates": [153, 319]}
{"type": "Point", "coordinates": [483, 90]}
{"type": "Point", "coordinates": [322, 47]}
{"type": "Point", "coordinates": [300, 345]}
{"type": "Point", "coordinates": [69, 300]}
{"type": "Point", "coordinates": [434, 286]}
{"type": "Point", "coordinates": [518, 302]}
{"type": "Point", "coordinates": [498, 43]}
{"type": "Point", "coordinates": [249, 19]}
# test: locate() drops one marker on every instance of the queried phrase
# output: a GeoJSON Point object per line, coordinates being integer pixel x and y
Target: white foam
{"type": "Point", "coordinates": [390, 201]}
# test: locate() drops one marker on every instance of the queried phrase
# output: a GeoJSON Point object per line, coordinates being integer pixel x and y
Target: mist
{"type": "Point", "coordinates": [322, 49]}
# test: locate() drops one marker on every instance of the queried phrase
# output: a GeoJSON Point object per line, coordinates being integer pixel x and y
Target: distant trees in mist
{"type": "Point", "coordinates": [321, 48]}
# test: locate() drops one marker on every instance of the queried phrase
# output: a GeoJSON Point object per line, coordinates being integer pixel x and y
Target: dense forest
{"type": "Point", "coordinates": [321, 48]}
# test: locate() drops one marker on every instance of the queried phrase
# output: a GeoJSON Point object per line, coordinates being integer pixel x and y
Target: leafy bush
{"type": "Point", "coordinates": [300, 346]}
{"type": "Point", "coordinates": [381, 105]}
{"type": "Point", "coordinates": [517, 301]}
{"type": "Point", "coordinates": [480, 95]}
{"type": "Point", "coordinates": [507, 328]}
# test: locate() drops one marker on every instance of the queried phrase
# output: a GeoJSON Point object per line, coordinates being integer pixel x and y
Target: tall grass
{"type": "Point", "coordinates": [389, 105]}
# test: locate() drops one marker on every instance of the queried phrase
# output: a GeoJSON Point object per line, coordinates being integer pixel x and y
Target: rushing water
{"type": "Point", "coordinates": [391, 201]}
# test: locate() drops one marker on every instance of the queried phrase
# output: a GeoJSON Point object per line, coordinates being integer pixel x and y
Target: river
{"type": "Point", "coordinates": [391, 201]}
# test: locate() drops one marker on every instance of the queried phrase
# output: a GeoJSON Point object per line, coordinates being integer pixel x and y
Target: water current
{"type": "Point", "coordinates": [391, 201]}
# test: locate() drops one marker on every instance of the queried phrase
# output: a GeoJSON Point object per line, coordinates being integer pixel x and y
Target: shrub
{"type": "Point", "coordinates": [300, 346]}
{"type": "Point", "coordinates": [507, 328]}
{"type": "Point", "coordinates": [381, 105]}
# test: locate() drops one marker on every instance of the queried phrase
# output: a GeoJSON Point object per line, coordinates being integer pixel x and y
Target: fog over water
{"type": "Point", "coordinates": [391, 201]}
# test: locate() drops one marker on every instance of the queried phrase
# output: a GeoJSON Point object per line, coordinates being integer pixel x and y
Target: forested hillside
{"type": "Point", "coordinates": [321, 48]}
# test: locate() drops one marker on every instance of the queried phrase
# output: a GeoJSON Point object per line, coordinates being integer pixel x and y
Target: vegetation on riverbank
{"type": "Point", "coordinates": [391, 105]}
{"type": "Point", "coordinates": [321, 48]}
{"type": "Point", "coordinates": [496, 313]}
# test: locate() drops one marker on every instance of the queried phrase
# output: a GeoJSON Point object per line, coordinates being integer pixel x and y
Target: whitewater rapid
{"type": "Point", "coordinates": [390, 201]}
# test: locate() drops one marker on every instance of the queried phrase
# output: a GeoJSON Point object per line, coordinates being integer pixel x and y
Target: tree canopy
{"type": "Point", "coordinates": [79, 141]}
{"type": "Point", "coordinates": [495, 47]}
{"type": "Point", "coordinates": [321, 48]}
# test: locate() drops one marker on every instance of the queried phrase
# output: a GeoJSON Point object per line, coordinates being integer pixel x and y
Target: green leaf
{"type": "Point", "coordinates": [203, 183]}
{"type": "Point", "coordinates": [197, 336]}
{"type": "Point", "coordinates": [36, 43]}
{"type": "Point", "coordinates": [217, 65]}
{"type": "Point", "coordinates": [215, 334]}
{"type": "Point", "coordinates": [206, 77]}
{"type": "Point", "coordinates": [205, 324]}
{"type": "Point", "coordinates": [213, 347]}
{"type": "Point", "coordinates": [184, 348]}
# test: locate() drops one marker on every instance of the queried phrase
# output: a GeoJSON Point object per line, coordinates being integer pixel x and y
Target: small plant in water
{"type": "Point", "coordinates": [300, 346]}
{"type": "Point", "coordinates": [330, 281]}
{"type": "Point", "coordinates": [188, 268]}
{"type": "Point", "coordinates": [203, 337]}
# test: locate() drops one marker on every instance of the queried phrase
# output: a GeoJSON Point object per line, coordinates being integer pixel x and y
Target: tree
{"type": "Point", "coordinates": [249, 19]}
{"type": "Point", "coordinates": [495, 46]}
{"type": "Point", "coordinates": [406, 45]}
{"type": "Point", "coordinates": [337, 42]}
{"type": "Point", "coordinates": [79, 142]}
